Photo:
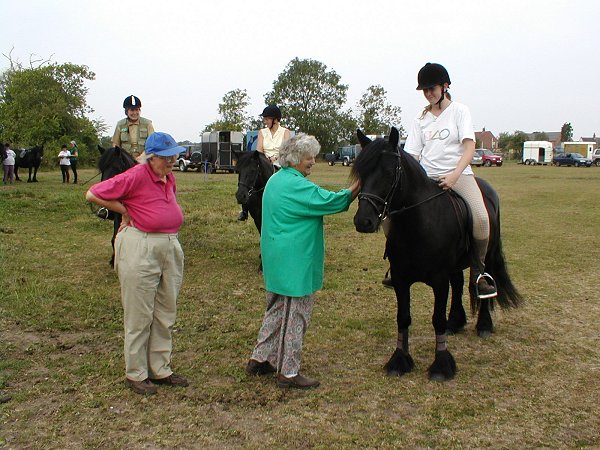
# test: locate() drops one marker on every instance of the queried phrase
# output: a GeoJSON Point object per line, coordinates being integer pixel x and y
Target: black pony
{"type": "Point", "coordinates": [112, 162]}
{"type": "Point", "coordinates": [254, 169]}
{"type": "Point", "coordinates": [31, 159]}
{"type": "Point", "coordinates": [428, 242]}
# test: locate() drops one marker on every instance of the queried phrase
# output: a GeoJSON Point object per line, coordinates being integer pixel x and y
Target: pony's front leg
{"type": "Point", "coordinates": [401, 362]}
{"type": "Point", "coordinates": [443, 367]}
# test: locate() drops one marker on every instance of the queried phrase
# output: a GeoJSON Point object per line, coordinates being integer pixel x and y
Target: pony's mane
{"type": "Point", "coordinates": [368, 159]}
{"type": "Point", "coordinates": [247, 159]}
{"type": "Point", "coordinates": [115, 156]}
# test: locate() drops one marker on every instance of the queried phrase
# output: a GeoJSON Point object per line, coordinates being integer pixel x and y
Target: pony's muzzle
{"type": "Point", "coordinates": [366, 224]}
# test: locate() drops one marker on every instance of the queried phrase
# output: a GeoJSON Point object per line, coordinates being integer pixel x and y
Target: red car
{"type": "Point", "coordinates": [489, 158]}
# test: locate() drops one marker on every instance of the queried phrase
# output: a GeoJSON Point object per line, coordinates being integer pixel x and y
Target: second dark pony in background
{"type": "Point", "coordinates": [113, 161]}
{"type": "Point", "coordinates": [254, 170]}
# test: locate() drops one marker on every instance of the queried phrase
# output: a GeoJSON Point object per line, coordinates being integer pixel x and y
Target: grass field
{"type": "Point", "coordinates": [533, 384]}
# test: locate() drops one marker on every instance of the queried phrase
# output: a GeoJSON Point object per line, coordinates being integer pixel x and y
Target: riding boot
{"type": "Point", "coordinates": [482, 282]}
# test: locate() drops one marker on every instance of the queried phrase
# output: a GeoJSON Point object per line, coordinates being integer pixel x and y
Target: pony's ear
{"type": "Point", "coordinates": [364, 140]}
{"type": "Point", "coordinates": [101, 149]}
{"type": "Point", "coordinates": [394, 137]}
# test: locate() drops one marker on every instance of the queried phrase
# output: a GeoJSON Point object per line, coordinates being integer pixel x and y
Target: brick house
{"type": "Point", "coordinates": [486, 139]}
{"type": "Point", "coordinates": [553, 136]}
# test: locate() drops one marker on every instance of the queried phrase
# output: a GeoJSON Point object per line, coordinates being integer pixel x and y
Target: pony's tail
{"type": "Point", "coordinates": [495, 265]}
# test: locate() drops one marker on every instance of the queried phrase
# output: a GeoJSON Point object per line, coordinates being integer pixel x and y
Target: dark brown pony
{"type": "Point", "coordinates": [112, 162]}
{"type": "Point", "coordinates": [31, 159]}
{"type": "Point", "coordinates": [428, 242]}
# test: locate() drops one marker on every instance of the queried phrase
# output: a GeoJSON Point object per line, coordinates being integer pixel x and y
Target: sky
{"type": "Point", "coordinates": [519, 65]}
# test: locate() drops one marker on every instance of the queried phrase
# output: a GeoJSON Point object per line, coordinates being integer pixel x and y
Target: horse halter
{"type": "Point", "coordinates": [372, 198]}
{"type": "Point", "coordinates": [250, 188]}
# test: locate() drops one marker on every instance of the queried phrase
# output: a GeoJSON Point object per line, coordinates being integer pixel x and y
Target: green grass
{"type": "Point", "coordinates": [532, 385]}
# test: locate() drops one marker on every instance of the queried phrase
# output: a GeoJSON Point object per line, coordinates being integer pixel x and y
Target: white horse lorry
{"type": "Point", "coordinates": [537, 152]}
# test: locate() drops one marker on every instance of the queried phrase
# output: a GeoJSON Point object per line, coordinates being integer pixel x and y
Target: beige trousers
{"type": "Point", "coordinates": [150, 269]}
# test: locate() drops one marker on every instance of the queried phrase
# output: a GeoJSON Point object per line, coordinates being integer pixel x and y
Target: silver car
{"type": "Point", "coordinates": [477, 160]}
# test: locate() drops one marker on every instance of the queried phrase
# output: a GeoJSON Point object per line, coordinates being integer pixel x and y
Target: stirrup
{"type": "Point", "coordinates": [490, 280]}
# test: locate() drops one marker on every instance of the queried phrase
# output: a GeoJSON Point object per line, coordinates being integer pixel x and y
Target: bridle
{"type": "Point", "coordinates": [251, 188]}
{"type": "Point", "coordinates": [374, 200]}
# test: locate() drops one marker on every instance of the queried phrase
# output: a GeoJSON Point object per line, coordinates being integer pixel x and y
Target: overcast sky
{"type": "Point", "coordinates": [519, 65]}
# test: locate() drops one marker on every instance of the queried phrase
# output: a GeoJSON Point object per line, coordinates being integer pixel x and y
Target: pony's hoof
{"type": "Point", "coordinates": [443, 367]}
{"type": "Point", "coordinates": [484, 334]}
{"type": "Point", "coordinates": [438, 377]}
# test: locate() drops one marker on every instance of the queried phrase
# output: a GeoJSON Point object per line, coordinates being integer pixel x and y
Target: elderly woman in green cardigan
{"type": "Point", "coordinates": [293, 251]}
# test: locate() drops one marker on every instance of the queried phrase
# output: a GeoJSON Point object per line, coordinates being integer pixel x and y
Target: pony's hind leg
{"type": "Point", "coordinates": [485, 324]}
{"type": "Point", "coordinates": [457, 318]}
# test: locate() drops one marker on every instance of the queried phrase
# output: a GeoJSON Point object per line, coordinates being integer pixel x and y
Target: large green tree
{"type": "Point", "coordinates": [566, 132]}
{"type": "Point", "coordinates": [233, 115]}
{"type": "Point", "coordinates": [47, 106]}
{"type": "Point", "coordinates": [312, 99]}
{"type": "Point", "coordinates": [375, 114]}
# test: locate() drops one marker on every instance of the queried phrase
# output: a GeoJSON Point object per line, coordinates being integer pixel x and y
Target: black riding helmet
{"type": "Point", "coordinates": [272, 111]}
{"type": "Point", "coordinates": [132, 101]}
{"type": "Point", "coordinates": [432, 74]}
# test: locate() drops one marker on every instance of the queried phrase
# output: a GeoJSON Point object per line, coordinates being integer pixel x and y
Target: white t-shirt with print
{"type": "Point", "coordinates": [437, 141]}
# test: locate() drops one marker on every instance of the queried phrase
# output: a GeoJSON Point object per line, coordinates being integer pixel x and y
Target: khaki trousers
{"type": "Point", "coordinates": [150, 269]}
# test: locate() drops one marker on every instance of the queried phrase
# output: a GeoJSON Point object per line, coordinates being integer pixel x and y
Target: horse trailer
{"type": "Point", "coordinates": [218, 148]}
{"type": "Point", "coordinates": [537, 152]}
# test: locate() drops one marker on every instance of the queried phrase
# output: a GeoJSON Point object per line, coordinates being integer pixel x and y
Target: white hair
{"type": "Point", "coordinates": [296, 148]}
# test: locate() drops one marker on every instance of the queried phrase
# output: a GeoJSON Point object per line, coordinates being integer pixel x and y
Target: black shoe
{"type": "Point", "coordinates": [243, 216]}
{"type": "Point", "coordinates": [387, 282]}
{"type": "Point", "coordinates": [259, 368]}
{"type": "Point", "coordinates": [485, 287]}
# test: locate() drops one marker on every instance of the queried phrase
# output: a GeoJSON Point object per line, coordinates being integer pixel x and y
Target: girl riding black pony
{"type": "Point", "coordinates": [429, 241]}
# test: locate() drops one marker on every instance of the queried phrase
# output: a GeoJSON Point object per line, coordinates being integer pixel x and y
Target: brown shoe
{"type": "Point", "coordinates": [255, 367]}
{"type": "Point", "coordinates": [485, 287]}
{"type": "Point", "coordinates": [141, 387]}
{"type": "Point", "coordinates": [298, 382]}
{"type": "Point", "coordinates": [172, 380]}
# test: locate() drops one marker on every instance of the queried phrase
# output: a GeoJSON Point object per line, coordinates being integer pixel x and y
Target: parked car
{"type": "Point", "coordinates": [488, 157]}
{"type": "Point", "coordinates": [477, 160]}
{"type": "Point", "coordinates": [185, 160]}
{"type": "Point", "coordinates": [571, 159]}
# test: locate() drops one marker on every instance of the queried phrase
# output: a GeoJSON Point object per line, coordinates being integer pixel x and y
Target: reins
{"type": "Point", "coordinates": [386, 201]}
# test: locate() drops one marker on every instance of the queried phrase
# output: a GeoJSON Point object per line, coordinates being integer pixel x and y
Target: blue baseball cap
{"type": "Point", "coordinates": [162, 144]}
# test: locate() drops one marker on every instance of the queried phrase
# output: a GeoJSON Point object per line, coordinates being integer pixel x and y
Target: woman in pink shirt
{"type": "Point", "coordinates": [148, 260]}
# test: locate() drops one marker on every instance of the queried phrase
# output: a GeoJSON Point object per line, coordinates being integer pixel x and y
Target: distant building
{"type": "Point", "coordinates": [487, 139]}
{"type": "Point", "coordinates": [591, 139]}
{"type": "Point", "coordinates": [553, 136]}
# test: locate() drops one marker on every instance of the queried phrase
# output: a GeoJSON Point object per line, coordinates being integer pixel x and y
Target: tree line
{"type": "Point", "coordinates": [46, 104]}
{"type": "Point", "coordinates": [312, 99]}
